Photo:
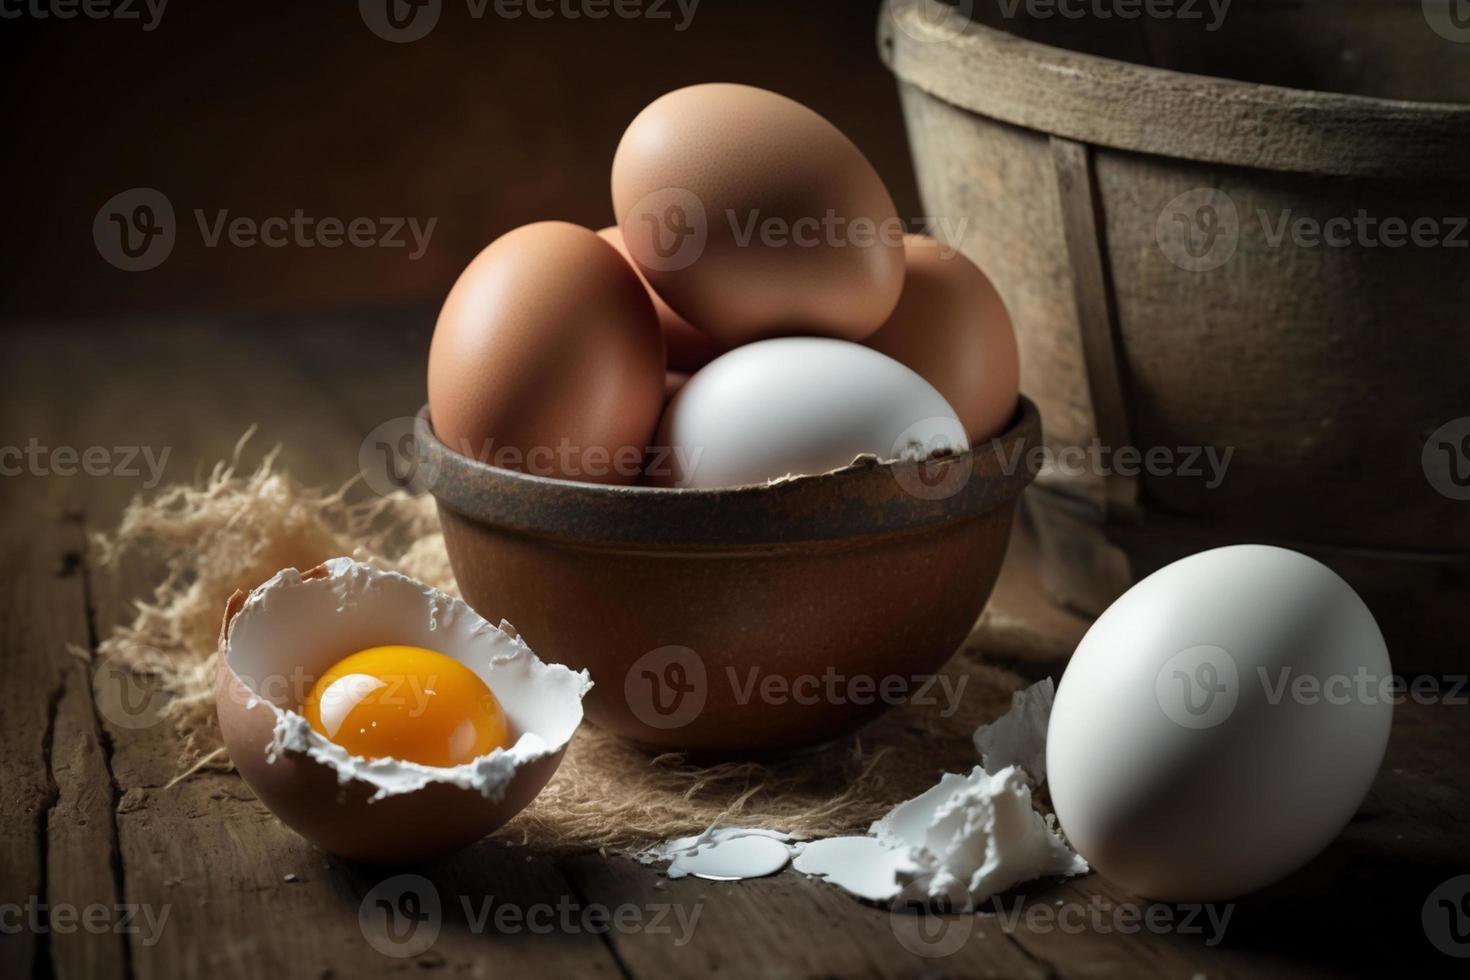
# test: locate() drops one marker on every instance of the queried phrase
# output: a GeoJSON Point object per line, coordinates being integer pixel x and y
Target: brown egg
{"type": "Point", "coordinates": [953, 329]}
{"type": "Point", "coordinates": [689, 348]}
{"type": "Point", "coordinates": [754, 217]}
{"type": "Point", "coordinates": [547, 358]}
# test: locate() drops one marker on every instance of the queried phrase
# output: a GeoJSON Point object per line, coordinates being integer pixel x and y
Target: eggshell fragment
{"type": "Point", "coordinates": [1018, 737]}
{"type": "Point", "coordinates": [754, 217]}
{"type": "Point", "coordinates": [863, 866]}
{"type": "Point", "coordinates": [732, 859]}
{"type": "Point", "coordinates": [276, 639]}
{"type": "Point", "coordinates": [952, 327]}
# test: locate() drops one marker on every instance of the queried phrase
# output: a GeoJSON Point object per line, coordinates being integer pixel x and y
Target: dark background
{"type": "Point", "coordinates": [261, 108]}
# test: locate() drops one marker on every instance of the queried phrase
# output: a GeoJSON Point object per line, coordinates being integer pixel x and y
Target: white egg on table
{"type": "Point", "coordinates": [1219, 724]}
{"type": "Point", "coordinates": [794, 406]}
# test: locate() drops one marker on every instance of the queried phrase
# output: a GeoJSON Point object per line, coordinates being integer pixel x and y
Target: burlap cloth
{"type": "Point", "coordinates": [197, 543]}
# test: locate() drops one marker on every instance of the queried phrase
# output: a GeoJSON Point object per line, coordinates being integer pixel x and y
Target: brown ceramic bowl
{"type": "Point", "coordinates": [743, 620]}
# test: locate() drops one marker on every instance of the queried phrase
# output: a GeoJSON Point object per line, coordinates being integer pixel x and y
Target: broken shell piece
{"type": "Point", "coordinates": [973, 837]}
{"type": "Point", "coordinates": [732, 859]}
{"type": "Point", "coordinates": [954, 845]}
{"type": "Point", "coordinates": [280, 637]}
{"type": "Point", "coordinates": [864, 866]}
{"type": "Point", "coordinates": [1018, 737]}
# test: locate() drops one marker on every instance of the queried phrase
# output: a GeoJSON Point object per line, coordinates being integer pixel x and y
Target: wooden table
{"type": "Point", "coordinates": [89, 820]}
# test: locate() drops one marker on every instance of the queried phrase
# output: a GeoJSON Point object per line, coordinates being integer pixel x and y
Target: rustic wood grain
{"type": "Point", "coordinates": [90, 812]}
{"type": "Point", "coordinates": [38, 611]}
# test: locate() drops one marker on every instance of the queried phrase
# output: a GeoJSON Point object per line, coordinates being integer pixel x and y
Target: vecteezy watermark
{"type": "Point", "coordinates": [128, 462]}
{"type": "Point", "coordinates": [930, 934]}
{"type": "Point", "coordinates": [125, 698]}
{"type": "Point", "coordinates": [136, 230]}
{"type": "Point", "coordinates": [1200, 230]}
{"type": "Point", "coordinates": [1446, 459]}
{"type": "Point", "coordinates": [1198, 687]}
{"type": "Point", "coordinates": [1201, 686]}
{"type": "Point", "coordinates": [146, 12]}
{"type": "Point", "coordinates": [62, 918]}
{"type": "Point", "coordinates": [391, 460]}
{"type": "Point", "coordinates": [1102, 917]}
{"type": "Point", "coordinates": [1363, 230]}
{"type": "Point", "coordinates": [405, 21]}
{"type": "Point", "coordinates": [932, 461]}
{"type": "Point", "coordinates": [566, 460]}
{"type": "Point", "coordinates": [402, 917]}
{"type": "Point", "coordinates": [1208, 463]}
{"type": "Point", "coordinates": [668, 688]}
{"type": "Point", "coordinates": [1450, 19]}
{"type": "Point", "coordinates": [930, 20]}
{"type": "Point", "coordinates": [1446, 917]}
{"type": "Point", "coordinates": [670, 228]}
{"type": "Point", "coordinates": [1209, 12]}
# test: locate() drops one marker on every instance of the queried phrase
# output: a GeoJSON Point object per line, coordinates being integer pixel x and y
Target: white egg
{"type": "Point", "coordinates": [796, 406]}
{"type": "Point", "coordinates": [1219, 724]}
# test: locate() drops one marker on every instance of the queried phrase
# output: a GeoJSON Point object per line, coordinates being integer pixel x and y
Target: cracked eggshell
{"type": "Point", "coordinates": [278, 638]}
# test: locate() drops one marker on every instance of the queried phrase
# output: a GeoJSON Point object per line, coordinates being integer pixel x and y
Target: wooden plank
{"type": "Point", "coordinates": [53, 770]}
{"type": "Point", "coordinates": [38, 610]}
{"type": "Point", "coordinates": [83, 867]}
{"type": "Point", "coordinates": [245, 897]}
{"type": "Point", "coordinates": [787, 926]}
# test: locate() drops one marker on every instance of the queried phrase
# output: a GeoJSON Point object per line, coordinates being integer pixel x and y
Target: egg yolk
{"type": "Point", "coordinates": [408, 703]}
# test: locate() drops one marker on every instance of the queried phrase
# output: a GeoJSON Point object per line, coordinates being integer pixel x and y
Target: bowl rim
{"type": "Point", "coordinates": [866, 498]}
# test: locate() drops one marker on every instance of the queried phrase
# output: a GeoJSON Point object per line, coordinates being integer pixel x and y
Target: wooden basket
{"type": "Point", "coordinates": [1151, 233]}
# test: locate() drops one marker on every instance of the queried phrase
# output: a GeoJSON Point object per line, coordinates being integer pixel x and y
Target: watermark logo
{"type": "Point", "coordinates": [148, 12]}
{"type": "Point", "coordinates": [1446, 459]}
{"type": "Point", "coordinates": [934, 462]}
{"type": "Point", "coordinates": [927, 934]}
{"type": "Point", "coordinates": [670, 229]}
{"type": "Point", "coordinates": [400, 21]}
{"type": "Point", "coordinates": [1104, 10]}
{"type": "Point", "coordinates": [130, 462]}
{"type": "Point", "coordinates": [667, 687]}
{"type": "Point", "coordinates": [1198, 687]}
{"type": "Point", "coordinates": [1450, 19]}
{"type": "Point", "coordinates": [390, 460]}
{"type": "Point", "coordinates": [928, 21]}
{"type": "Point", "coordinates": [1446, 917]}
{"type": "Point", "coordinates": [1199, 230]}
{"type": "Point", "coordinates": [63, 918]}
{"type": "Point", "coordinates": [135, 230]}
{"type": "Point", "coordinates": [124, 699]}
{"type": "Point", "coordinates": [1209, 464]}
{"type": "Point", "coordinates": [1207, 922]}
{"type": "Point", "coordinates": [405, 21]}
{"type": "Point", "coordinates": [401, 916]}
